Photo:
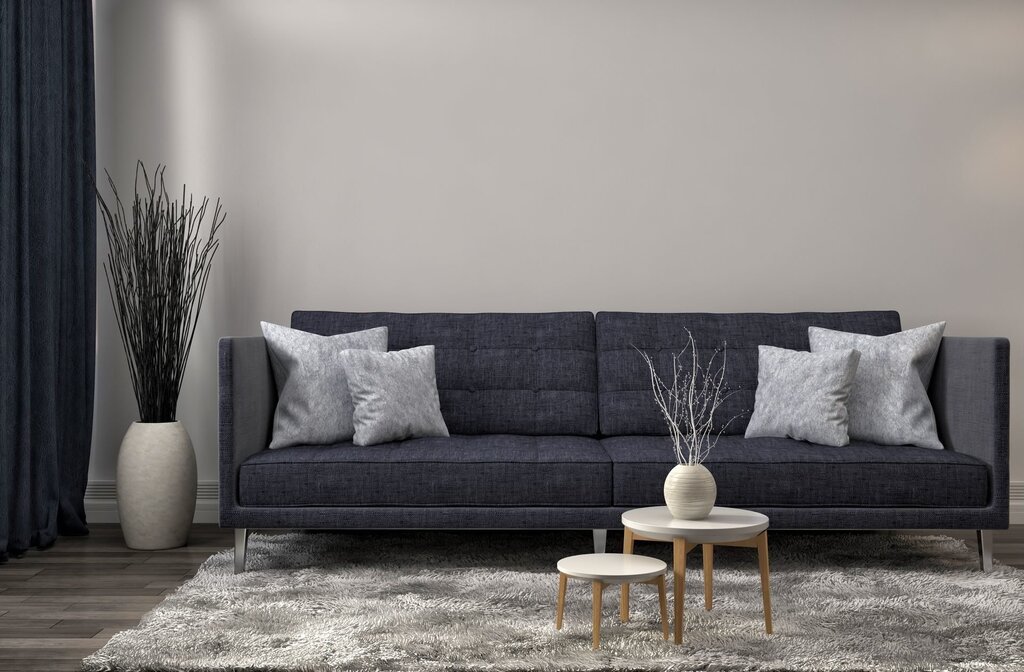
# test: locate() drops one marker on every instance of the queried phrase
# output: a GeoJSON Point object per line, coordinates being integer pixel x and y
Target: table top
{"type": "Point", "coordinates": [722, 525]}
{"type": "Point", "coordinates": [612, 567]}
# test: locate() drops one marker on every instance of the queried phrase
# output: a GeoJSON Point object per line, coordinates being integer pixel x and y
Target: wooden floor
{"type": "Point", "coordinates": [60, 605]}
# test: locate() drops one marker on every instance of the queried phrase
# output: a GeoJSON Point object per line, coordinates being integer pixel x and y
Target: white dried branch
{"type": "Point", "coordinates": [689, 405]}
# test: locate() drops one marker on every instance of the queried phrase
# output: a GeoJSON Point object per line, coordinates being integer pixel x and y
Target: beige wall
{"type": "Point", "coordinates": [526, 155]}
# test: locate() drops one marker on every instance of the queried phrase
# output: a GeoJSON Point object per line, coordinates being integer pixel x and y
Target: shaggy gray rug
{"type": "Point", "coordinates": [485, 601]}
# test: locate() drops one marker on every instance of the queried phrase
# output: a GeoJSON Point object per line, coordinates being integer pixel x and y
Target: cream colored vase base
{"type": "Point", "coordinates": [156, 485]}
{"type": "Point", "coordinates": [690, 492]}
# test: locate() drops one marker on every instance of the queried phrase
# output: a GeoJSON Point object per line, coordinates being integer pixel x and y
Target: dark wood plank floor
{"type": "Point", "coordinates": [60, 605]}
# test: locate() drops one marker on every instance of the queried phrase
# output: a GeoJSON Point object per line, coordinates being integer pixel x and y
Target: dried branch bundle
{"type": "Point", "coordinates": [157, 269]}
{"type": "Point", "coordinates": [689, 404]}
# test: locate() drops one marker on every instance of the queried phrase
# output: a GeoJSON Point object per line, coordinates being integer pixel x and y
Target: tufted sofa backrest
{"type": "Point", "coordinates": [627, 406]}
{"type": "Point", "coordinates": [497, 373]}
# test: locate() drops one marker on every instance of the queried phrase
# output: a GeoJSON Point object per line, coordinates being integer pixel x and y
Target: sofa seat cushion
{"type": "Point", "coordinates": [486, 470]}
{"type": "Point", "coordinates": [783, 472]}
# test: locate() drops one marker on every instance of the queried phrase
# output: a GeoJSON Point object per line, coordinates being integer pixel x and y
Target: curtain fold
{"type": "Point", "coordinates": [47, 269]}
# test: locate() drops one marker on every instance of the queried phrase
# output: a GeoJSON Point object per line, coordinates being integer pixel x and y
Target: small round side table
{"type": "Point", "coordinates": [722, 527]}
{"type": "Point", "coordinates": [603, 569]}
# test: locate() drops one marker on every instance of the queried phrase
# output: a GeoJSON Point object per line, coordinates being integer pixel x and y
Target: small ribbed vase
{"type": "Point", "coordinates": [690, 491]}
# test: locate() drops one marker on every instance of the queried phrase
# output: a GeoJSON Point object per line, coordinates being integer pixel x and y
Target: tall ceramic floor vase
{"type": "Point", "coordinates": [156, 485]}
{"type": "Point", "coordinates": [690, 491]}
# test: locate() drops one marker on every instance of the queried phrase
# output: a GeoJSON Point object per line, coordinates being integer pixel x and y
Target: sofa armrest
{"type": "Point", "coordinates": [248, 397]}
{"type": "Point", "coordinates": [970, 392]}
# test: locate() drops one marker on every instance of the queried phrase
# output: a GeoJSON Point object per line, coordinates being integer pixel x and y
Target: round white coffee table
{"type": "Point", "coordinates": [723, 527]}
{"type": "Point", "coordinates": [603, 569]}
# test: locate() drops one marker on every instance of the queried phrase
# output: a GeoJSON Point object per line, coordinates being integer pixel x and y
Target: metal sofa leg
{"type": "Point", "coordinates": [600, 540]}
{"type": "Point", "coordinates": [985, 549]}
{"type": "Point", "coordinates": [241, 542]}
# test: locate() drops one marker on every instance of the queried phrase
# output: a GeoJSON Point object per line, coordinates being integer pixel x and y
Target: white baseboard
{"type": "Point", "coordinates": [1017, 503]}
{"type": "Point", "coordinates": [101, 502]}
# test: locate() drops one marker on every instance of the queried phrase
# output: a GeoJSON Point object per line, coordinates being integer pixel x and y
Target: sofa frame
{"type": "Point", "coordinates": [969, 393]}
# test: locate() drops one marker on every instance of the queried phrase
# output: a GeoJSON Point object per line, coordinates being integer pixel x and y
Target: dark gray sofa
{"type": "Point", "coordinates": [553, 427]}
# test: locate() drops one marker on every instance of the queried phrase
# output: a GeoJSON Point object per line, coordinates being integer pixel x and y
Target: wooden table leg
{"type": "Point", "coordinates": [762, 561]}
{"type": "Point", "coordinates": [627, 548]}
{"type": "Point", "coordinates": [598, 595]}
{"type": "Point", "coordinates": [663, 603]}
{"type": "Point", "coordinates": [679, 584]}
{"type": "Point", "coordinates": [562, 580]}
{"type": "Point", "coordinates": [708, 551]}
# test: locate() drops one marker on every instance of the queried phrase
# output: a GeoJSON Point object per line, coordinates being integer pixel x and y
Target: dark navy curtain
{"type": "Point", "coordinates": [47, 269]}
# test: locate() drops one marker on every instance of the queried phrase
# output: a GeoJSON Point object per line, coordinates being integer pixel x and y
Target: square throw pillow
{"type": "Point", "coordinates": [314, 405]}
{"type": "Point", "coordinates": [889, 403]}
{"type": "Point", "coordinates": [395, 395]}
{"type": "Point", "coordinates": [803, 395]}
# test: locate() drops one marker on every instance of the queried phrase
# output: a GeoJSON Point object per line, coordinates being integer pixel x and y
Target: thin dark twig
{"type": "Point", "coordinates": [157, 270]}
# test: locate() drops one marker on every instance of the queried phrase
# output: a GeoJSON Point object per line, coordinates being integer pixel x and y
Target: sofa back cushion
{"type": "Point", "coordinates": [497, 373]}
{"type": "Point", "coordinates": [626, 404]}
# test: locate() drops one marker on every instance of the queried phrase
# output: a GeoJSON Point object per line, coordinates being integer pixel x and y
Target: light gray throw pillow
{"type": "Point", "coordinates": [803, 395]}
{"type": "Point", "coordinates": [314, 405]}
{"type": "Point", "coordinates": [395, 395]}
{"type": "Point", "coordinates": [889, 403]}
